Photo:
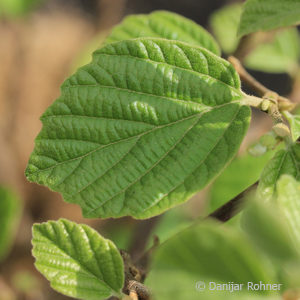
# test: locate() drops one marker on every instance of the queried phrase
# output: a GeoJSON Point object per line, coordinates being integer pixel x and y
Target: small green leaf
{"type": "Point", "coordinates": [206, 252]}
{"type": "Point", "coordinates": [164, 24]}
{"type": "Point", "coordinates": [294, 121]}
{"type": "Point", "coordinates": [267, 230]}
{"type": "Point", "coordinates": [77, 261]}
{"type": "Point", "coordinates": [239, 175]}
{"type": "Point", "coordinates": [10, 210]}
{"type": "Point", "coordinates": [285, 161]}
{"type": "Point", "coordinates": [224, 23]}
{"type": "Point", "coordinates": [264, 15]}
{"type": "Point", "coordinates": [141, 129]}
{"type": "Point", "coordinates": [288, 199]}
{"type": "Point", "coordinates": [279, 55]}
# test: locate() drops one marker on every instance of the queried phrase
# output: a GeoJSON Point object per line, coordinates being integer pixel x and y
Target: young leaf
{"type": "Point", "coordinates": [288, 199]}
{"type": "Point", "coordinates": [268, 231]}
{"type": "Point", "coordinates": [294, 121]}
{"type": "Point", "coordinates": [164, 24]}
{"type": "Point", "coordinates": [206, 252]}
{"type": "Point", "coordinates": [142, 128]}
{"type": "Point", "coordinates": [284, 162]}
{"type": "Point", "coordinates": [77, 261]}
{"type": "Point", "coordinates": [264, 15]}
{"type": "Point", "coordinates": [10, 209]}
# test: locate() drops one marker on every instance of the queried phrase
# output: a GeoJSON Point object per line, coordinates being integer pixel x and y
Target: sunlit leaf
{"type": "Point", "coordinates": [164, 24]}
{"type": "Point", "coordinates": [142, 128]}
{"type": "Point", "coordinates": [77, 261]}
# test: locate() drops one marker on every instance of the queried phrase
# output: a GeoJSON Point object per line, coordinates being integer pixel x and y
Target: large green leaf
{"type": "Point", "coordinates": [142, 128]}
{"type": "Point", "coordinates": [268, 14]}
{"type": "Point", "coordinates": [206, 252]}
{"type": "Point", "coordinates": [288, 199]}
{"type": "Point", "coordinates": [285, 161]}
{"type": "Point", "coordinates": [10, 209]}
{"type": "Point", "coordinates": [280, 54]}
{"type": "Point", "coordinates": [164, 24]}
{"type": "Point", "coordinates": [77, 261]}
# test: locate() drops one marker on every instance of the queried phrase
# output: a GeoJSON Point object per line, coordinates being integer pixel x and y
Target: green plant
{"type": "Point", "coordinates": [16, 8]}
{"type": "Point", "coordinates": [10, 211]}
{"type": "Point", "coordinates": [153, 119]}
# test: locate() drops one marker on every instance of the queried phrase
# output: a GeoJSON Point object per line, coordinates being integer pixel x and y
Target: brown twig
{"type": "Point", "coordinates": [137, 291]}
{"type": "Point", "coordinates": [133, 279]}
{"type": "Point", "coordinates": [258, 88]}
{"type": "Point", "coordinates": [233, 207]}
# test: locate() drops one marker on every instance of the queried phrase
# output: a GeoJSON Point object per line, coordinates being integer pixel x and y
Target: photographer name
{"type": "Point", "coordinates": [250, 286]}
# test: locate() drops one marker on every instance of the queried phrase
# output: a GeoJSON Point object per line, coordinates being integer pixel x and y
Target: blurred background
{"type": "Point", "coordinates": [41, 43]}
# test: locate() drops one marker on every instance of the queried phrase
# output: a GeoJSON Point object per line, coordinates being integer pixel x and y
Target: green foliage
{"type": "Point", "coordinates": [164, 24]}
{"type": "Point", "coordinates": [285, 161]}
{"type": "Point", "coordinates": [77, 261]}
{"type": "Point", "coordinates": [170, 223]}
{"type": "Point", "coordinates": [280, 54]}
{"type": "Point", "coordinates": [16, 8]}
{"type": "Point", "coordinates": [262, 251]}
{"type": "Point", "coordinates": [244, 171]}
{"type": "Point", "coordinates": [142, 128]}
{"type": "Point", "coordinates": [288, 200]}
{"type": "Point", "coordinates": [224, 23]}
{"type": "Point", "coordinates": [294, 121]}
{"type": "Point", "coordinates": [10, 211]}
{"type": "Point", "coordinates": [269, 232]}
{"type": "Point", "coordinates": [206, 252]}
{"type": "Point", "coordinates": [268, 14]}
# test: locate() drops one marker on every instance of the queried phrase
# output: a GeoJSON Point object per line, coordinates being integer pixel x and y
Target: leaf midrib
{"type": "Point", "coordinates": [129, 138]}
